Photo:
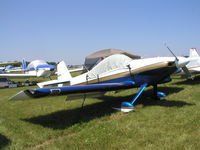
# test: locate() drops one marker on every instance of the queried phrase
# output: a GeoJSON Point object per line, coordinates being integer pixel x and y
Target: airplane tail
{"type": "Point", "coordinates": [64, 76]}
{"type": "Point", "coordinates": [24, 64]}
{"type": "Point", "coordinates": [63, 72]}
{"type": "Point", "coordinates": [193, 52]}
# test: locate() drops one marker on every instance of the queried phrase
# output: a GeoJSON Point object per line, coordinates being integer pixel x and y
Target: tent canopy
{"type": "Point", "coordinates": [95, 58]}
{"type": "Point", "coordinates": [35, 63]}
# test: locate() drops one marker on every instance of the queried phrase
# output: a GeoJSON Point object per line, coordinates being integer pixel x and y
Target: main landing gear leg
{"type": "Point", "coordinates": [155, 90]}
{"type": "Point", "coordinates": [128, 106]}
{"type": "Point", "coordinates": [158, 95]}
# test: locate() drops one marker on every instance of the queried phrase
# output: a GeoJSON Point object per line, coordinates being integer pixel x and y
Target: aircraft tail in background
{"type": "Point", "coordinates": [193, 52]}
{"type": "Point", "coordinates": [24, 66]}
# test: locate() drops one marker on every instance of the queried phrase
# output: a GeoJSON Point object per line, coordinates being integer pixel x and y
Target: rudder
{"type": "Point", "coordinates": [193, 52]}
{"type": "Point", "coordinates": [63, 72]}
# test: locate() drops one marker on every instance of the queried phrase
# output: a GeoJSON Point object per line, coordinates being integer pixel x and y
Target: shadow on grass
{"type": "Point", "coordinates": [146, 99]}
{"type": "Point", "coordinates": [67, 118]}
{"type": "Point", "coordinates": [168, 103]}
{"type": "Point", "coordinates": [3, 141]}
{"type": "Point", "coordinates": [149, 101]}
{"type": "Point", "coordinates": [166, 90]}
{"type": "Point", "coordinates": [195, 81]}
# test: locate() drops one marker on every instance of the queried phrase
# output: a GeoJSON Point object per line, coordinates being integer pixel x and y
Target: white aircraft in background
{"type": "Point", "coordinates": [8, 67]}
{"type": "Point", "coordinates": [76, 70]}
{"type": "Point", "coordinates": [194, 64]}
{"type": "Point", "coordinates": [2, 70]}
{"type": "Point", "coordinates": [37, 68]}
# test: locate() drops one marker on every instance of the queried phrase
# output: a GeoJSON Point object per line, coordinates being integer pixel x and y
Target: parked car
{"type": "Point", "coordinates": [4, 82]}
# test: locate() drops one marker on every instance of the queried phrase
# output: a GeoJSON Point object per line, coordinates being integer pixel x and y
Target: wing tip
{"type": "Point", "coordinates": [19, 96]}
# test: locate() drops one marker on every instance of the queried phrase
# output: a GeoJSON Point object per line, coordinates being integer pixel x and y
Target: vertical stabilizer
{"type": "Point", "coordinates": [193, 52]}
{"type": "Point", "coordinates": [62, 72]}
{"type": "Point", "coordinates": [64, 77]}
{"type": "Point", "coordinates": [24, 64]}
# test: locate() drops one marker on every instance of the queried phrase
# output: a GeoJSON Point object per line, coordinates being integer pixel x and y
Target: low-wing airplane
{"type": "Point", "coordinates": [2, 70]}
{"type": "Point", "coordinates": [113, 73]}
{"type": "Point", "coordinates": [37, 68]}
{"type": "Point", "coordinates": [193, 66]}
{"type": "Point", "coordinates": [4, 67]}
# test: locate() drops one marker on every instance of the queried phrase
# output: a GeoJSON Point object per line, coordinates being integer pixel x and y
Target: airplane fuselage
{"type": "Point", "coordinates": [150, 70]}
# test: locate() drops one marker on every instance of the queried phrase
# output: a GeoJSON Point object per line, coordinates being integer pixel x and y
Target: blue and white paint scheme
{"type": "Point", "coordinates": [113, 73]}
{"type": "Point", "coordinates": [36, 68]}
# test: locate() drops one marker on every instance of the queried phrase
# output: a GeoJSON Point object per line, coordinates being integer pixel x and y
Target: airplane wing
{"type": "Point", "coordinates": [15, 70]}
{"type": "Point", "coordinates": [17, 75]}
{"type": "Point", "coordinates": [55, 91]}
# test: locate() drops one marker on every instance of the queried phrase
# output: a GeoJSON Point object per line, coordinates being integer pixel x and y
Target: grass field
{"type": "Point", "coordinates": [53, 123]}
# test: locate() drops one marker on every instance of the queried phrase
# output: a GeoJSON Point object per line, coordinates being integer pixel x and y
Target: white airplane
{"type": "Point", "coordinates": [2, 70]}
{"type": "Point", "coordinates": [194, 64]}
{"type": "Point", "coordinates": [37, 68]}
{"type": "Point", "coordinates": [7, 66]}
{"type": "Point", "coordinates": [115, 72]}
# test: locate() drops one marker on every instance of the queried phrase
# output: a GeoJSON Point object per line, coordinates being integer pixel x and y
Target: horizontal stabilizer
{"type": "Point", "coordinates": [52, 82]}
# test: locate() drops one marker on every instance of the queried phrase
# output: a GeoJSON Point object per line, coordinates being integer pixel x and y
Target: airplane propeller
{"type": "Point", "coordinates": [181, 63]}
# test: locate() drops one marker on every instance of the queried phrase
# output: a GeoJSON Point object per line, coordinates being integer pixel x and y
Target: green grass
{"type": "Point", "coordinates": [53, 123]}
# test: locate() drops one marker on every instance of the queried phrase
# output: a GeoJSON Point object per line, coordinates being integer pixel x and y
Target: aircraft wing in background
{"type": "Point", "coordinates": [17, 75]}
{"type": "Point", "coordinates": [76, 70]}
{"type": "Point", "coordinates": [52, 82]}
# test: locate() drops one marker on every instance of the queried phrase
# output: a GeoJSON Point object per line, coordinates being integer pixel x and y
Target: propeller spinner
{"type": "Point", "coordinates": [181, 63]}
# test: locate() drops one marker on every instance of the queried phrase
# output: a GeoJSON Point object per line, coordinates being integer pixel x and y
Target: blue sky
{"type": "Point", "coordinates": [69, 30]}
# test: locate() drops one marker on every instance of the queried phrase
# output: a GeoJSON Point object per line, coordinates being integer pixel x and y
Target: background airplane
{"type": "Point", "coordinates": [193, 66]}
{"type": "Point", "coordinates": [9, 66]}
{"type": "Point", "coordinates": [114, 73]}
{"type": "Point", "coordinates": [37, 68]}
{"type": "Point", "coordinates": [2, 70]}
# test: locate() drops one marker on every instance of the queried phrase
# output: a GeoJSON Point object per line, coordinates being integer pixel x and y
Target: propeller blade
{"type": "Point", "coordinates": [171, 51]}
